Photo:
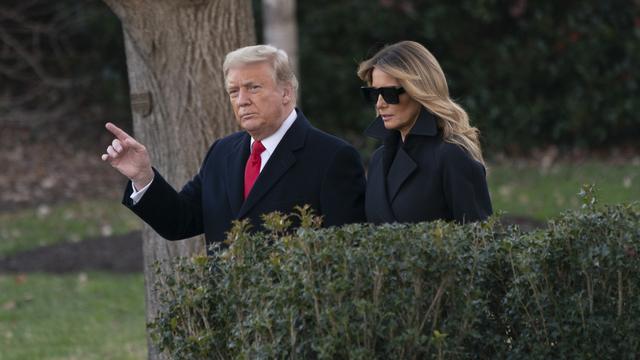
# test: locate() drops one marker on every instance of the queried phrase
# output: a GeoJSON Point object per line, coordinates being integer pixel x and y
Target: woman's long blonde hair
{"type": "Point", "coordinates": [419, 73]}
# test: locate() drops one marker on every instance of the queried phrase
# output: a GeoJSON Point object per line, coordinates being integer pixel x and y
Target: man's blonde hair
{"type": "Point", "coordinates": [278, 59]}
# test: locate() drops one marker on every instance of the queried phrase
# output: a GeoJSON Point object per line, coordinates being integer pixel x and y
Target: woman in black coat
{"type": "Point", "coordinates": [430, 165]}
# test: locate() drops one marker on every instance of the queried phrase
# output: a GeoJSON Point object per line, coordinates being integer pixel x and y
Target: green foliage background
{"type": "Point", "coordinates": [551, 72]}
{"type": "Point", "coordinates": [529, 73]}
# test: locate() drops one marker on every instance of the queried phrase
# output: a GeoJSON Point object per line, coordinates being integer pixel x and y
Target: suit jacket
{"type": "Point", "coordinates": [424, 178]}
{"type": "Point", "coordinates": [307, 167]}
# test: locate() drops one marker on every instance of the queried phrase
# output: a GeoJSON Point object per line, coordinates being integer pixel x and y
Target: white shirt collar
{"type": "Point", "coordinates": [271, 142]}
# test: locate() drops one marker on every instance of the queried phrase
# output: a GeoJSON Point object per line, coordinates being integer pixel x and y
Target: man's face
{"type": "Point", "coordinates": [259, 104]}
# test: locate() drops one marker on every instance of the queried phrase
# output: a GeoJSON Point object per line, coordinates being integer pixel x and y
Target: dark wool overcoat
{"type": "Point", "coordinates": [423, 178]}
{"type": "Point", "coordinates": [307, 167]}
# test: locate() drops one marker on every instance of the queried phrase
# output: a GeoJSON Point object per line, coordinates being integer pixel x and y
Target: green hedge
{"type": "Point", "coordinates": [429, 290]}
{"type": "Point", "coordinates": [550, 72]}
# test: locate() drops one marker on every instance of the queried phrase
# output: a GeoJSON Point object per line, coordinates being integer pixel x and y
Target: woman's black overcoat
{"type": "Point", "coordinates": [423, 178]}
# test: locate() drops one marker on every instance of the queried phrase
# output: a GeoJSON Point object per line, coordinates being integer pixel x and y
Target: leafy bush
{"type": "Point", "coordinates": [573, 288]}
{"type": "Point", "coordinates": [429, 290]}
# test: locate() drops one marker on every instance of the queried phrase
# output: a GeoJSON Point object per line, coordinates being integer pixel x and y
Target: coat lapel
{"type": "Point", "coordinates": [235, 173]}
{"type": "Point", "coordinates": [377, 199]}
{"type": "Point", "coordinates": [401, 168]}
{"type": "Point", "coordinates": [279, 162]}
{"type": "Point", "coordinates": [397, 164]}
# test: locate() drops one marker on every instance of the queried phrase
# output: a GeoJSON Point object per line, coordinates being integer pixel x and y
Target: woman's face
{"type": "Point", "coordinates": [399, 116]}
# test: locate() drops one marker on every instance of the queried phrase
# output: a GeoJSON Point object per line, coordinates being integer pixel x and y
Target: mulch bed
{"type": "Point", "coordinates": [120, 254]}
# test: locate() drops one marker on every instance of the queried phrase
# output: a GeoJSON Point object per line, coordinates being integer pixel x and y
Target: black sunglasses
{"type": "Point", "coordinates": [390, 94]}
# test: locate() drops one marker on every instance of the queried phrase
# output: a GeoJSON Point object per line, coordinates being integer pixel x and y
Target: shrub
{"type": "Point", "coordinates": [429, 290]}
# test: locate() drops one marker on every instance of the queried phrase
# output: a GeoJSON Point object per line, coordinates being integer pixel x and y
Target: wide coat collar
{"type": "Point", "coordinates": [425, 125]}
{"type": "Point", "coordinates": [279, 162]}
{"type": "Point", "coordinates": [397, 164]}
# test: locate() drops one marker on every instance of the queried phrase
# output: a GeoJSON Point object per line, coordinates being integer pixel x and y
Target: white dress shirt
{"type": "Point", "coordinates": [270, 144]}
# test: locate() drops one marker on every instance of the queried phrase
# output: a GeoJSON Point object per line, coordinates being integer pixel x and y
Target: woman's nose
{"type": "Point", "coordinates": [380, 102]}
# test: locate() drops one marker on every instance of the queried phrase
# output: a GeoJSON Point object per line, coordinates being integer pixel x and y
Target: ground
{"type": "Point", "coordinates": [55, 168]}
{"type": "Point", "coordinates": [47, 168]}
{"type": "Point", "coordinates": [122, 253]}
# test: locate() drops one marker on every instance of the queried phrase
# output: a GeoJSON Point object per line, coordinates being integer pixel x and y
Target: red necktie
{"type": "Point", "coordinates": [252, 169]}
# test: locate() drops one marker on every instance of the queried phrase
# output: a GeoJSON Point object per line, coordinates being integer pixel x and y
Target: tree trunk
{"type": "Point", "coordinates": [281, 27]}
{"type": "Point", "coordinates": [175, 50]}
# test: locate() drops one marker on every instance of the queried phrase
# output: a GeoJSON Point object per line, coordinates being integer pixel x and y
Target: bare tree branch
{"type": "Point", "coordinates": [37, 56]}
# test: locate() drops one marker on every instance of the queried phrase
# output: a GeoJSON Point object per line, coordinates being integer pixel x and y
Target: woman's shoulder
{"type": "Point", "coordinates": [455, 155]}
{"type": "Point", "coordinates": [452, 151]}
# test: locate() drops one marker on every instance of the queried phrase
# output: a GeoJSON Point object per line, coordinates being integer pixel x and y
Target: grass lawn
{"type": "Point", "coordinates": [27, 229]}
{"type": "Point", "coordinates": [75, 316]}
{"type": "Point", "coordinates": [79, 316]}
{"type": "Point", "coordinates": [542, 193]}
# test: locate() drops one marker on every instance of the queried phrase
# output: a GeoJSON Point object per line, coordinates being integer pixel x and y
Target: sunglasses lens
{"type": "Point", "coordinates": [390, 95]}
{"type": "Point", "coordinates": [370, 94]}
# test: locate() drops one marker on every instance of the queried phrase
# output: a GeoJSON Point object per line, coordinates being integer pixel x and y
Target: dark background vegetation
{"type": "Point", "coordinates": [530, 74]}
{"type": "Point", "coordinates": [62, 67]}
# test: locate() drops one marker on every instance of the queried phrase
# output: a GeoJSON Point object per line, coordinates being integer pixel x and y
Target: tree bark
{"type": "Point", "coordinates": [175, 50]}
{"type": "Point", "coordinates": [281, 27]}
